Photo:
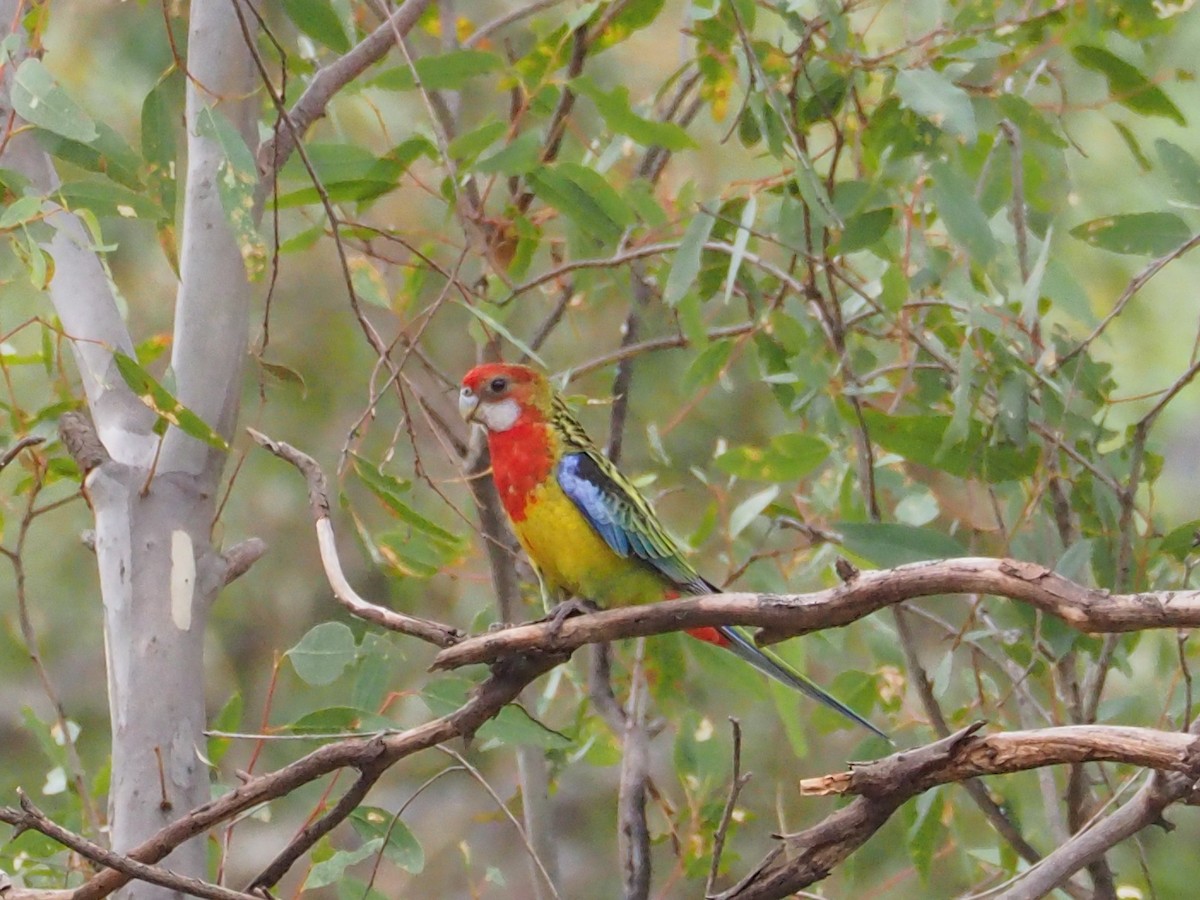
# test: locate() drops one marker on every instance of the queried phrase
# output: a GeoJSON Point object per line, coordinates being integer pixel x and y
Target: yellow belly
{"type": "Point", "coordinates": [573, 559]}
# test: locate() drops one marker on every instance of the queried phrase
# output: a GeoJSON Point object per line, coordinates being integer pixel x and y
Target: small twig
{"type": "Point", "coordinates": [508, 814]}
{"type": "Point", "coordinates": [30, 440]}
{"type": "Point", "coordinates": [31, 818]}
{"type": "Point", "coordinates": [633, 832]}
{"type": "Point", "coordinates": [241, 556]}
{"type": "Point", "coordinates": [485, 31]}
{"type": "Point", "coordinates": [736, 783]}
{"type": "Point", "coordinates": [1135, 284]}
{"type": "Point", "coordinates": [315, 830]}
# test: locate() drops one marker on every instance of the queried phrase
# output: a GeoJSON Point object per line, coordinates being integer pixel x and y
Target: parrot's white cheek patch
{"type": "Point", "coordinates": [501, 415]}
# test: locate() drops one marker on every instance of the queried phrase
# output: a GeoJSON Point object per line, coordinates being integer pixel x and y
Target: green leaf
{"type": "Point", "coordinates": [159, 399]}
{"type": "Point", "coordinates": [707, 366]}
{"type": "Point", "coordinates": [520, 157]}
{"type": "Point", "coordinates": [1127, 85]}
{"type": "Point", "coordinates": [330, 871]}
{"type": "Point", "coordinates": [375, 672]}
{"type": "Point", "coordinates": [864, 229]}
{"type": "Point", "coordinates": [20, 211]}
{"type": "Point", "coordinates": [741, 238]}
{"type": "Point", "coordinates": [964, 220]}
{"type": "Point", "coordinates": [1182, 169]}
{"type": "Point", "coordinates": [787, 457]}
{"type": "Point", "coordinates": [1013, 414]}
{"type": "Point", "coordinates": [227, 720]}
{"type": "Point", "coordinates": [920, 439]}
{"type": "Point", "coordinates": [924, 833]}
{"type": "Point", "coordinates": [368, 282]}
{"type": "Point", "coordinates": [107, 198]}
{"type": "Point", "coordinates": [160, 121]}
{"type": "Point", "coordinates": [583, 195]}
{"type": "Point", "coordinates": [237, 178]}
{"type": "Point", "coordinates": [887, 545]}
{"type": "Point", "coordinates": [945, 104]}
{"type": "Point", "coordinates": [444, 72]}
{"type": "Point", "coordinates": [699, 754]}
{"type": "Point", "coordinates": [324, 653]}
{"type": "Point", "coordinates": [39, 100]}
{"type": "Point", "coordinates": [1030, 120]}
{"type": "Point", "coordinates": [334, 720]}
{"type": "Point", "coordinates": [400, 846]}
{"type": "Point", "coordinates": [686, 265]}
{"type": "Point", "coordinates": [469, 145]}
{"type": "Point", "coordinates": [350, 173]}
{"type": "Point", "coordinates": [108, 154]}
{"type": "Point", "coordinates": [1076, 562]}
{"type": "Point", "coordinates": [491, 322]}
{"type": "Point", "coordinates": [1143, 234]}
{"type": "Point", "coordinates": [319, 21]}
{"type": "Point", "coordinates": [1182, 541]}
{"type": "Point", "coordinates": [614, 108]}
{"type": "Point", "coordinates": [750, 509]}
{"type": "Point", "coordinates": [388, 489]}
{"type": "Point", "coordinates": [1135, 148]}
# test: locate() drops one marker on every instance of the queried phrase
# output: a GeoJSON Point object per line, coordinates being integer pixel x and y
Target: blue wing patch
{"type": "Point", "coordinates": [608, 506]}
{"type": "Point", "coordinates": [587, 494]}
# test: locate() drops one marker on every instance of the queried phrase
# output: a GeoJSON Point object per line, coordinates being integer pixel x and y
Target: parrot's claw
{"type": "Point", "coordinates": [563, 611]}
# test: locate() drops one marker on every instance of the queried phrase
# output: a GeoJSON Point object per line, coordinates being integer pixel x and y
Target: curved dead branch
{"type": "Point", "coordinates": [886, 784]}
{"type": "Point", "coordinates": [318, 501]}
{"type": "Point", "coordinates": [781, 616]}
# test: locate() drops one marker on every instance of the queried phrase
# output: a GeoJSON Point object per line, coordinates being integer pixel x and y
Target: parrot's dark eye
{"type": "Point", "coordinates": [498, 385]}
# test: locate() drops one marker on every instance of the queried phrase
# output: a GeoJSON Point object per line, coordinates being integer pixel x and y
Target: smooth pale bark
{"type": "Point", "coordinates": [157, 616]}
{"type": "Point", "coordinates": [158, 569]}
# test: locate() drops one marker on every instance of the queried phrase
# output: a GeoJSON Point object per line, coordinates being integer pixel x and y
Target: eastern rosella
{"type": "Point", "coordinates": [587, 530]}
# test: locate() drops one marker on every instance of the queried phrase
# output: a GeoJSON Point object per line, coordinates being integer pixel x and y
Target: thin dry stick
{"type": "Point", "coordinates": [736, 783]}
{"type": "Point", "coordinates": [508, 814]}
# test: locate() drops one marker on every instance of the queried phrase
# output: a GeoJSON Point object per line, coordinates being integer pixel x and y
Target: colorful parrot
{"type": "Point", "coordinates": [587, 530]}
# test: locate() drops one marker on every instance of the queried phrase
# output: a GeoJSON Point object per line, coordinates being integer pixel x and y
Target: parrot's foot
{"type": "Point", "coordinates": [564, 610]}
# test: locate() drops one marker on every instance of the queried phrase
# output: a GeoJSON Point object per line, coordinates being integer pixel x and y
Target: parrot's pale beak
{"type": "Point", "coordinates": [468, 404]}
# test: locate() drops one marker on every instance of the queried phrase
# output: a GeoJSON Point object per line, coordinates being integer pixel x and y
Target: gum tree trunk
{"type": "Point", "coordinates": [159, 571]}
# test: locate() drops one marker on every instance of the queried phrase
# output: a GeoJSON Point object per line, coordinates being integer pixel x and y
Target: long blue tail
{"type": "Point", "coordinates": [771, 665]}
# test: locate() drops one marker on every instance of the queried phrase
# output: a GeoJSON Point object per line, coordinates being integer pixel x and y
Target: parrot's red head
{"type": "Point", "coordinates": [499, 395]}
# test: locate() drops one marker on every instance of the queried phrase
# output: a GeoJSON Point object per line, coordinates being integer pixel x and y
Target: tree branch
{"type": "Point", "coordinates": [369, 752]}
{"type": "Point", "coordinates": [884, 785]}
{"type": "Point", "coordinates": [325, 85]}
{"type": "Point", "coordinates": [787, 615]}
{"type": "Point", "coordinates": [29, 817]}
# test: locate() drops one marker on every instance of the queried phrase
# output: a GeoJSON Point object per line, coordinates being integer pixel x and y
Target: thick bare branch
{"type": "Point", "coordinates": [884, 785]}
{"type": "Point", "coordinates": [787, 615]}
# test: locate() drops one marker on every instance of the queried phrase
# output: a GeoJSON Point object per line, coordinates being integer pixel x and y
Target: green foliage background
{"type": "Point", "coordinates": [841, 288]}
